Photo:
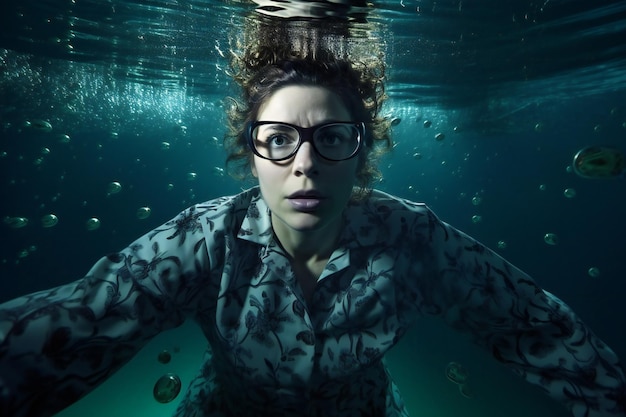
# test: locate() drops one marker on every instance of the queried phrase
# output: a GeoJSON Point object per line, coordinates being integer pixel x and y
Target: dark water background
{"type": "Point", "coordinates": [517, 87]}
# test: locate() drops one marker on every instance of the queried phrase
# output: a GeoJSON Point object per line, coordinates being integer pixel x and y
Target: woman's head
{"type": "Point", "coordinates": [303, 160]}
{"type": "Point", "coordinates": [262, 71]}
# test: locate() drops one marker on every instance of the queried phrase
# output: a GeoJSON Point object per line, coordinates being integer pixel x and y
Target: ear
{"type": "Point", "coordinates": [253, 169]}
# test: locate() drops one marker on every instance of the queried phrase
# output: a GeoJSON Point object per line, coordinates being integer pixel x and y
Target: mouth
{"type": "Point", "coordinates": [302, 194]}
{"type": "Point", "coordinates": [305, 200]}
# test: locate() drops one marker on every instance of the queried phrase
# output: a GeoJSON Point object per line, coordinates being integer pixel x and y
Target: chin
{"type": "Point", "coordinates": [305, 225]}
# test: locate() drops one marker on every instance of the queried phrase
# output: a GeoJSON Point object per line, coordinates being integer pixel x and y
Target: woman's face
{"type": "Point", "coordinates": [305, 192]}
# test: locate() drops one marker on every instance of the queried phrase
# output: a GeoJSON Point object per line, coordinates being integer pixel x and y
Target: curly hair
{"type": "Point", "coordinates": [263, 68]}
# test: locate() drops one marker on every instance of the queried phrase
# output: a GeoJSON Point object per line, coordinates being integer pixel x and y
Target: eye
{"type": "Point", "coordinates": [277, 140]}
{"type": "Point", "coordinates": [334, 136]}
{"type": "Point", "coordinates": [330, 139]}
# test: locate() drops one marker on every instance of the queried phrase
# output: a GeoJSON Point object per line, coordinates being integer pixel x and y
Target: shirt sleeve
{"type": "Point", "coordinates": [57, 345]}
{"type": "Point", "coordinates": [526, 328]}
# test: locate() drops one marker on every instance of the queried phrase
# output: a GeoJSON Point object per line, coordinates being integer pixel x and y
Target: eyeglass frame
{"type": "Point", "coordinates": [305, 134]}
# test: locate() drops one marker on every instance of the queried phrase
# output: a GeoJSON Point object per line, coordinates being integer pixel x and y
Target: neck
{"type": "Point", "coordinates": [309, 245]}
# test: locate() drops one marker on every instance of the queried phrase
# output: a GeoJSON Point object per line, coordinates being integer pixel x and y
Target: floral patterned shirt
{"type": "Point", "coordinates": [271, 353]}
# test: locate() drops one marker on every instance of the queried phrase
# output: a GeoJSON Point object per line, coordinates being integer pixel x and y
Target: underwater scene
{"type": "Point", "coordinates": [508, 120]}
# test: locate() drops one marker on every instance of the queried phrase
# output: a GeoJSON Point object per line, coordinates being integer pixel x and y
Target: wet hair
{"type": "Point", "coordinates": [261, 70]}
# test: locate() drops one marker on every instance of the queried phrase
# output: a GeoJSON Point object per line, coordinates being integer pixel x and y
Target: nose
{"type": "Point", "coordinates": [305, 161]}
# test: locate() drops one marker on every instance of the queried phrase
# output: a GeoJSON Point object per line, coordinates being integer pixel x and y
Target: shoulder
{"type": "Point", "coordinates": [196, 220]}
{"type": "Point", "coordinates": [225, 210]}
{"type": "Point", "coordinates": [385, 204]}
{"type": "Point", "coordinates": [240, 201]}
{"type": "Point", "coordinates": [382, 217]}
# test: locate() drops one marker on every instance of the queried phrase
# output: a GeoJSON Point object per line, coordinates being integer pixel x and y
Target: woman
{"type": "Point", "coordinates": [302, 284]}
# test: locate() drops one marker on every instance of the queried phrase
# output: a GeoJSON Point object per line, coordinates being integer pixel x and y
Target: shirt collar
{"type": "Point", "coordinates": [257, 225]}
{"type": "Point", "coordinates": [362, 223]}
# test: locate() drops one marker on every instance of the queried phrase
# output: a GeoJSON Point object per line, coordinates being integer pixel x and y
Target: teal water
{"type": "Point", "coordinates": [517, 88]}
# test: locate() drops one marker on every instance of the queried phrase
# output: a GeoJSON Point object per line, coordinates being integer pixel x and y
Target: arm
{"type": "Point", "coordinates": [57, 345]}
{"type": "Point", "coordinates": [525, 327]}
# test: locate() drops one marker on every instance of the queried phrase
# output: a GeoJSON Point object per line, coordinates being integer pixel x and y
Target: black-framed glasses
{"type": "Point", "coordinates": [334, 141]}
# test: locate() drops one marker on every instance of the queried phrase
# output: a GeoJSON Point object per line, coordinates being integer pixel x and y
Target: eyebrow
{"type": "Point", "coordinates": [277, 126]}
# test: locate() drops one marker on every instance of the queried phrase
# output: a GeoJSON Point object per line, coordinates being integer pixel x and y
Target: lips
{"type": "Point", "coordinates": [305, 200]}
{"type": "Point", "coordinates": [306, 194]}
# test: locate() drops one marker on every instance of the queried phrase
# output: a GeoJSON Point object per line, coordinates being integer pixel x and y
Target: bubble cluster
{"type": "Point", "coordinates": [39, 124]}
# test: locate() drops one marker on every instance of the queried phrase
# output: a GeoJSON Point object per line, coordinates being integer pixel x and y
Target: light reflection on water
{"type": "Point", "coordinates": [443, 52]}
